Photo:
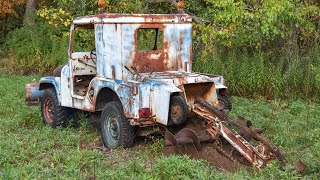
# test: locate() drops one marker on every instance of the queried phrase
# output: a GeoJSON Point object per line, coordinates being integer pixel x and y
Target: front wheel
{"type": "Point", "coordinates": [52, 113]}
{"type": "Point", "coordinates": [115, 128]}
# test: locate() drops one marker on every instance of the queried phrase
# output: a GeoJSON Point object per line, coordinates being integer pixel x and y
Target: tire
{"type": "Point", "coordinates": [226, 100]}
{"type": "Point", "coordinates": [52, 113]}
{"type": "Point", "coordinates": [178, 112]}
{"type": "Point", "coordinates": [115, 128]}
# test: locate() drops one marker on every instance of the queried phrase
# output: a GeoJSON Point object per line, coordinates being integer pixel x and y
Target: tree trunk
{"type": "Point", "coordinates": [29, 16]}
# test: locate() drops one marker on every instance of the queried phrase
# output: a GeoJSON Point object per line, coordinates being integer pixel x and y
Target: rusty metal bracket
{"type": "Point", "coordinates": [251, 130]}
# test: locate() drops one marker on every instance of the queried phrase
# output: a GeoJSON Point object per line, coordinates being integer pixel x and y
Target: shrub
{"type": "Point", "coordinates": [36, 49]}
{"type": "Point", "coordinates": [256, 75]}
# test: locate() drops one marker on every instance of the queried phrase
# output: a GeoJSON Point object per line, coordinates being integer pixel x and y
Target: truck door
{"type": "Point", "coordinates": [82, 59]}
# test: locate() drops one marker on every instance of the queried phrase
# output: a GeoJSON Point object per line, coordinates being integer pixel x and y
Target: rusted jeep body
{"type": "Point", "coordinates": [118, 69]}
{"type": "Point", "coordinates": [162, 72]}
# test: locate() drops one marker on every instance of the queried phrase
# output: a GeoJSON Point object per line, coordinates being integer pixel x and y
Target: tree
{"type": "Point", "coordinates": [10, 13]}
{"type": "Point", "coordinates": [29, 16]}
{"type": "Point", "coordinates": [7, 7]}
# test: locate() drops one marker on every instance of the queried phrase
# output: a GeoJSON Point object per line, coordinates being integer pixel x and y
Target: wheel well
{"type": "Point", "coordinates": [105, 95]}
{"type": "Point", "coordinates": [175, 94]}
{"type": "Point", "coordinates": [45, 86]}
{"type": "Point", "coordinates": [223, 91]}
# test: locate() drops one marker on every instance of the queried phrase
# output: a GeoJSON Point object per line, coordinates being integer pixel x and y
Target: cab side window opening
{"type": "Point", "coordinates": [83, 40]}
{"type": "Point", "coordinates": [150, 39]}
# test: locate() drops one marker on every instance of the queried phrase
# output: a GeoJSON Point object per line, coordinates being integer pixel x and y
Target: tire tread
{"type": "Point", "coordinates": [127, 133]}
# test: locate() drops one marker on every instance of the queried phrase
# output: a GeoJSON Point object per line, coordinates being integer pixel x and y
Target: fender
{"type": "Point", "coordinates": [160, 100]}
{"type": "Point", "coordinates": [48, 82]}
{"type": "Point", "coordinates": [121, 91]}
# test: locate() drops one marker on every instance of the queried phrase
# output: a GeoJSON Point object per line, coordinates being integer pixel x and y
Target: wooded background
{"type": "Point", "coordinates": [263, 48]}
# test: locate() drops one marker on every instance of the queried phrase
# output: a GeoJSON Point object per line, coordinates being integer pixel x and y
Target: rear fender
{"type": "Point", "coordinates": [160, 100]}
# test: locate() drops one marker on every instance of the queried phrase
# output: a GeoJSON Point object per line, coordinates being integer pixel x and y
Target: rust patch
{"type": "Point", "coordinates": [196, 90]}
{"type": "Point", "coordinates": [144, 18]}
{"type": "Point", "coordinates": [148, 60]}
{"type": "Point", "coordinates": [113, 72]}
{"type": "Point", "coordinates": [142, 122]}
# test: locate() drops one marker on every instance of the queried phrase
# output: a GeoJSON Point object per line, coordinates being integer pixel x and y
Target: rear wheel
{"type": "Point", "coordinates": [226, 103]}
{"type": "Point", "coordinates": [178, 111]}
{"type": "Point", "coordinates": [115, 128]}
{"type": "Point", "coordinates": [52, 113]}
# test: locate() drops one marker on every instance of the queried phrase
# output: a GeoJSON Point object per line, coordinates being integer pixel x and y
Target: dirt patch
{"type": "Point", "coordinates": [225, 158]}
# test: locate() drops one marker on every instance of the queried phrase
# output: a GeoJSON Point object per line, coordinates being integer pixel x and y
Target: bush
{"type": "Point", "coordinates": [256, 75]}
{"type": "Point", "coordinates": [36, 49]}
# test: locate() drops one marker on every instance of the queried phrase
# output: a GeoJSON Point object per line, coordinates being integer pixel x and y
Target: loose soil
{"type": "Point", "coordinates": [209, 151]}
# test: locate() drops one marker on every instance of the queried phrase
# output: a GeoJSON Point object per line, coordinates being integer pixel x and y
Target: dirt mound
{"type": "Point", "coordinates": [224, 158]}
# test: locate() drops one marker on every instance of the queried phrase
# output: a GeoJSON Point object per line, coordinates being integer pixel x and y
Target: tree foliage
{"type": "Point", "coordinates": [257, 24]}
{"type": "Point", "coordinates": [7, 6]}
{"type": "Point", "coordinates": [267, 39]}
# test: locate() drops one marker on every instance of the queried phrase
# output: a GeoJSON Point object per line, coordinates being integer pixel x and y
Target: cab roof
{"type": "Point", "coordinates": [111, 18]}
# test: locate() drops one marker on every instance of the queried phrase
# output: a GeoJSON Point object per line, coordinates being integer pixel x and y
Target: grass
{"type": "Point", "coordinates": [30, 151]}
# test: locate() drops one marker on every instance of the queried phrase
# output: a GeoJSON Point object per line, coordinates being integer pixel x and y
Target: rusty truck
{"type": "Point", "coordinates": [136, 71]}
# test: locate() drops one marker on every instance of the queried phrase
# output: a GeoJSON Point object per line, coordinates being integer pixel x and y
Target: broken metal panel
{"type": "Point", "coordinates": [218, 80]}
{"type": "Point", "coordinates": [148, 60]}
{"type": "Point", "coordinates": [206, 91]}
{"type": "Point", "coordinates": [192, 84]}
{"type": "Point", "coordinates": [71, 40]}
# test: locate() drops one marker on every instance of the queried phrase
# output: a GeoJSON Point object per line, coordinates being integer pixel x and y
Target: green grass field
{"type": "Point", "coordinates": [29, 150]}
